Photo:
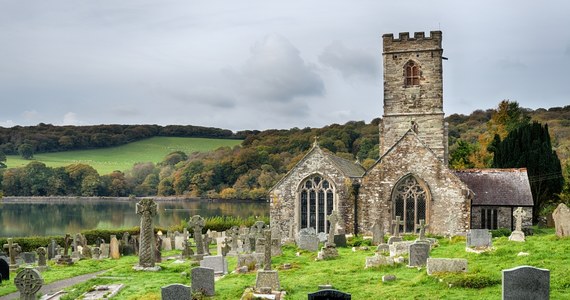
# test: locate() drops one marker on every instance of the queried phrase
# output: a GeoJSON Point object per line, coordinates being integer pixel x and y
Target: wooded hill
{"type": "Point", "coordinates": [264, 156]}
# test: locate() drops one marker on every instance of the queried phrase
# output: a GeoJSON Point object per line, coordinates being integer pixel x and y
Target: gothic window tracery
{"type": "Point", "coordinates": [316, 202]}
{"type": "Point", "coordinates": [409, 200]}
{"type": "Point", "coordinates": [411, 73]}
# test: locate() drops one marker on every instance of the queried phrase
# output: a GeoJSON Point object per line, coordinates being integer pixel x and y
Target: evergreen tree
{"type": "Point", "coordinates": [529, 147]}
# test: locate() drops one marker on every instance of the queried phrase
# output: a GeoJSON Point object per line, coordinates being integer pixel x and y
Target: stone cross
{"type": "Point", "coordinates": [197, 223]}
{"type": "Point", "coordinates": [41, 251]}
{"type": "Point", "coordinates": [396, 223]}
{"type": "Point", "coordinates": [12, 249]}
{"type": "Point", "coordinates": [333, 218]}
{"type": "Point", "coordinates": [147, 208]}
{"type": "Point", "coordinates": [66, 243]}
{"type": "Point", "coordinates": [226, 248]}
{"type": "Point", "coordinates": [207, 241]}
{"type": "Point", "coordinates": [267, 258]}
{"type": "Point", "coordinates": [519, 214]}
{"type": "Point", "coordinates": [29, 282]}
{"type": "Point", "coordinates": [422, 226]}
{"type": "Point", "coordinates": [233, 232]}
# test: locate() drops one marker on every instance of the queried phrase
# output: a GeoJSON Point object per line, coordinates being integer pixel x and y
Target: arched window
{"type": "Point", "coordinates": [409, 199]}
{"type": "Point", "coordinates": [316, 202]}
{"type": "Point", "coordinates": [412, 73]}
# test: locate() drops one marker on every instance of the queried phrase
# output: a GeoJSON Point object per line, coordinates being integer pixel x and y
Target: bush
{"type": "Point", "coordinates": [500, 232]}
{"type": "Point", "coordinates": [357, 241]}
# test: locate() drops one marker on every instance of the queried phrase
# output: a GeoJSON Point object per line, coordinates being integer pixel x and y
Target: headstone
{"type": "Point", "coordinates": [395, 237]}
{"type": "Point", "coordinates": [52, 249]}
{"type": "Point", "coordinates": [383, 249]}
{"type": "Point", "coordinates": [561, 216]}
{"type": "Point", "coordinates": [308, 240]}
{"type": "Point", "coordinates": [233, 234]}
{"type": "Point", "coordinates": [65, 258]}
{"type": "Point", "coordinates": [196, 223]}
{"type": "Point", "coordinates": [329, 295]}
{"type": "Point", "coordinates": [29, 282]}
{"type": "Point", "coordinates": [105, 251]}
{"type": "Point", "coordinates": [96, 253]}
{"type": "Point", "coordinates": [480, 238]}
{"type": "Point", "coordinates": [207, 241]}
{"type": "Point", "coordinates": [158, 249]}
{"type": "Point", "coordinates": [329, 250]}
{"type": "Point", "coordinates": [340, 240]}
{"type": "Point", "coordinates": [388, 277]}
{"type": "Point", "coordinates": [86, 252]}
{"type": "Point", "coordinates": [323, 237]}
{"type": "Point", "coordinates": [125, 243]}
{"type": "Point", "coordinates": [176, 291]}
{"type": "Point", "coordinates": [377, 233]}
{"type": "Point", "coordinates": [250, 260]}
{"type": "Point", "coordinates": [419, 253]}
{"type": "Point", "coordinates": [114, 248]}
{"type": "Point", "coordinates": [203, 281]}
{"type": "Point", "coordinates": [179, 242]}
{"type": "Point", "coordinates": [29, 257]}
{"type": "Point", "coordinates": [267, 277]}
{"type": "Point", "coordinates": [422, 226]}
{"type": "Point", "coordinates": [166, 243]}
{"type": "Point", "coordinates": [42, 261]}
{"type": "Point", "coordinates": [446, 265]}
{"type": "Point", "coordinates": [147, 209]}
{"type": "Point", "coordinates": [399, 248]}
{"type": "Point", "coordinates": [216, 262]}
{"type": "Point", "coordinates": [518, 235]}
{"type": "Point", "coordinates": [4, 270]}
{"type": "Point", "coordinates": [187, 252]}
{"type": "Point", "coordinates": [378, 260]}
{"type": "Point", "coordinates": [526, 282]}
{"type": "Point", "coordinates": [13, 250]}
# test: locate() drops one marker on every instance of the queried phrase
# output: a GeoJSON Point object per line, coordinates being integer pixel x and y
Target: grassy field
{"type": "Point", "coordinates": [107, 160]}
{"type": "Point", "coordinates": [346, 273]}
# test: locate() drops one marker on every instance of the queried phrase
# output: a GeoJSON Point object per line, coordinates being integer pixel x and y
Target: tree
{"type": "Point", "coordinates": [26, 151]}
{"type": "Point", "coordinates": [529, 147]}
{"type": "Point", "coordinates": [2, 160]}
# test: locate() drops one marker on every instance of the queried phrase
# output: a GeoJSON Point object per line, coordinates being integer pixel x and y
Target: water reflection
{"type": "Point", "coordinates": [42, 218]}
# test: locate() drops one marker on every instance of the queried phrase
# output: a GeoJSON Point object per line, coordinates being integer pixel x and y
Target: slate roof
{"type": "Point", "coordinates": [501, 187]}
{"type": "Point", "coordinates": [347, 167]}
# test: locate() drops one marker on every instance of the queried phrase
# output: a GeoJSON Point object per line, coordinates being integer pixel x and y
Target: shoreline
{"type": "Point", "coordinates": [59, 199]}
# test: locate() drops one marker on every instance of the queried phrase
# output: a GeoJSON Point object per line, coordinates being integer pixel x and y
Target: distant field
{"type": "Point", "coordinates": [107, 160]}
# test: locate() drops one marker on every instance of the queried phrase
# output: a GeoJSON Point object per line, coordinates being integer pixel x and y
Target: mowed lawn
{"type": "Point", "coordinates": [107, 160]}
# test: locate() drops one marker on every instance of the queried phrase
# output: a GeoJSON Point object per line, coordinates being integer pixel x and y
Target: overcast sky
{"type": "Point", "coordinates": [264, 64]}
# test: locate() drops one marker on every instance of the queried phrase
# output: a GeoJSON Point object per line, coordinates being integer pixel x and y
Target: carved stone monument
{"type": "Point", "coordinates": [29, 282]}
{"type": "Point", "coordinates": [13, 250]}
{"type": "Point", "coordinates": [147, 208]}
{"type": "Point", "coordinates": [267, 278]}
{"type": "Point", "coordinates": [197, 223]}
{"type": "Point", "coordinates": [65, 259]}
{"type": "Point", "coordinates": [396, 232]}
{"type": "Point", "coordinates": [329, 250]}
{"type": "Point", "coordinates": [518, 235]}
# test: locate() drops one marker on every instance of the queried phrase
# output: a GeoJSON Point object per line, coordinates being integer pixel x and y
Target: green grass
{"type": "Point", "coordinates": [347, 273]}
{"type": "Point", "coordinates": [122, 158]}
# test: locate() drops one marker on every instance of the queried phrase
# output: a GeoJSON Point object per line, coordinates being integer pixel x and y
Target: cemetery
{"type": "Point", "coordinates": [393, 266]}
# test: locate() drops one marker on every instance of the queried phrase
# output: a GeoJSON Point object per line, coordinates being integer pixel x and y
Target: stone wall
{"type": "Point", "coordinates": [284, 196]}
{"type": "Point", "coordinates": [447, 209]}
{"type": "Point", "coordinates": [504, 216]}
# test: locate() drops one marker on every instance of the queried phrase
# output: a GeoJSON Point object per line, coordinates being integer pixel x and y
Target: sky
{"type": "Point", "coordinates": [264, 64]}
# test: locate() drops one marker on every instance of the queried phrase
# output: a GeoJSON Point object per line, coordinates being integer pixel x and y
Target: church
{"type": "Point", "coordinates": [411, 181]}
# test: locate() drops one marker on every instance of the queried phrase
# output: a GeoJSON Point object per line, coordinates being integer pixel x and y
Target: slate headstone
{"type": "Point", "coordinates": [479, 238]}
{"type": "Point", "coordinates": [419, 253]}
{"type": "Point", "coordinates": [216, 262]}
{"type": "Point", "coordinates": [29, 257]}
{"type": "Point", "coordinates": [308, 240]}
{"type": "Point", "coordinates": [176, 292]}
{"type": "Point", "coordinates": [203, 281]}
{"type": "Point", "coordinates": [526, 282]}
{"type": "Point", "coordinates": [329, 295]}
{"type": "Point", "coordinates": [340, 240]}
{"type": "Point", "coordinates": [4, 270]}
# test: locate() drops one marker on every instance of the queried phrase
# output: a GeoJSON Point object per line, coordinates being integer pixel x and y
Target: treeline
{"type": "Point", "coordinates": [240, 172]}
{"type": "Point", "coordinates": [49, 138]}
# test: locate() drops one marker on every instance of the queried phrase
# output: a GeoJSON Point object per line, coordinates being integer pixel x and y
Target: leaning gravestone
{"type": "Point", "coordinates": [4, 270]}
{"type": "Point", "coordinates": [308, 240]}
{"type": "Point", "coordinates": [329, 294]}
{"type": "Point", "coordinates": [29, 282]}
{"type": "Point", "coordinates": [203, 281]}
{"type": "Point", "coordinates": [479, 238]}
{"type": "Point", "coordinates": [561, 216]}
{"type": "Point", "coordinates": [419, 253]}
{"type": "Point", "coordinates": [176, 292]}
{"type": "Point", "coordinates": [147, 209]}
{"type": "Point", "coordinates": [526, 282]}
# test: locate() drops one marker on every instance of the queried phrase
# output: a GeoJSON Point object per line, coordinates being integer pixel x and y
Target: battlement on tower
{"type": "Point", "coordinates": [419, 42]}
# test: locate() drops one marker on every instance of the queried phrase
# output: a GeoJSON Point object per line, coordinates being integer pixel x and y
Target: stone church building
{"type": "Point", "coordinates": [411, 179]}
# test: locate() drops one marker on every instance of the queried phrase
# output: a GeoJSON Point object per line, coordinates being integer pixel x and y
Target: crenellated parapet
{"type": "Point", "coordinates": [419, 41]}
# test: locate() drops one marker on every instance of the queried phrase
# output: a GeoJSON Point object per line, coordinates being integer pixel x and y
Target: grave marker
{"type": "Point", "coordinates": [197, 223]}
{"type": "Point", "coordinates": [147, 209]}
{"type": "Point", "coordinates": [203, 281]}
{"type": "Point", "coordinates": [329, 294]}
{"type": "Point", "coordinates": [176, 291]}
{"type": "Point", "coordinates": [29, 282]}
{"type": "Point", "coordinates": [526, 282]}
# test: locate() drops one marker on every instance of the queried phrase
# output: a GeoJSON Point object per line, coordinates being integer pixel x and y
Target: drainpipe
{"type": "Point", "coordinates": [354, 192]}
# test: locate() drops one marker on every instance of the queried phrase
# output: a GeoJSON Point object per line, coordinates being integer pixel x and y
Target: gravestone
{"type": "Point", "coordinates": [340, 240]}
{"type": "Point", "coordinates": [267, 278]}
{"type": "Point", "coordinates": [125, 243]}
{"type": "Point", "coordinates": [216, 262]}
{"type": "Point", "coordinates": [378, 260]}
{"type": "Point", "coordinates": [105, 250]}
{"type": "Point", "coordinates": [308, 240]}
{"type": "Point", "coordinates": [166, 243]}
{"type": "Point", "coordinates": [179, 242]}
{"type": "Point", "coordinates": [96, 253]}
{"type": "Point", "coordinates": [197, 223]}
{"type": "Point", "coordinates": [203, 281]}
{"type": "Point", "coordinates": [329, 250]}
{"type": "Point", "coordinates": [419, 253]}
{"type": "Point", "coordinates": [561, 216]}
{"type": "Point", "coordinates": [329, 294]}
{"type": "Point", "coordinates": [158, 249]}
{"type": "Point", "coordinates": [377, 233]}
{"type": "Point", "coordinates": [4, 270]}
{"type": "Point", "coordinates": [147, 209]}
{"type": "Point", "coordinates": [86, 252]}
{"type": "Point", "coordinates": [13, 250]}
{"type": "Point", "coordinates": [233, 234]}
{"type": "Point", "coordinates": [29, 257]}
{"type": "Point", "coordinates": [207, 241]}
{"type": "Point", "coordinates": [42, 262]}
{"type": "Point", "coordinates": [114, 248]}
{"type": "Point", "coordinates": [422, 227]}
{"type": "Point", "coordinates": [29, 282]}
{"type": "Point", "coordinates": [187, 252]}
{"type": "Point", "coordinates": [396, 231]}
{"type": "Point", "coordinates": [65, 257]}
{"type": "Point", "coordinates": [176, 291]}
{"type": "Point", "coordinates": [518, 235]}
{"type": "Point", "coordinates": [526, 282]}
{"type": "Point", "coordinates": [52, 249]}
{"type": "Point", "coordinates": [446, 265]}
{"type": "Point", "coordinates": [480, 238]}
{"type": "Point", "coordinates": [399, 248]}
{"type": "Point", "coordinates": [250, 260]}
{"type": "Point", "coordinates": [225, 249]}
{"type": "Point", "coordinates": [383, 249]}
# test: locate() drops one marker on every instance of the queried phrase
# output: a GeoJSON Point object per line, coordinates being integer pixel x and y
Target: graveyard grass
{"type": "Point", "coordinates": [346, 273]}
{"type": "Point", "coordinates": [107, 160]}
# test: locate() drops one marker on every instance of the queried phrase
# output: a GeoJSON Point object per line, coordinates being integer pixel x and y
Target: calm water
{"type": "Point", "coordinates": [57, 217]}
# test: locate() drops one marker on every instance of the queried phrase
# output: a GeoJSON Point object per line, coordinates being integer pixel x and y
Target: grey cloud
{"type": "Point", "coordinates": [349, 62]}
{"type": "Point", "coordinates": [275, 71]}
{"type": "Point", "coordinates": [567, 52]}
{"type": "Point", "coordinates": [511, 64]}
{"type": "Point", "coordinates": [202, 97]}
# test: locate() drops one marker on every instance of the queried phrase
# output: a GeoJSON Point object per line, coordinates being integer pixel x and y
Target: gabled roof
{"type": "Point", "coordinates": [502, 187]}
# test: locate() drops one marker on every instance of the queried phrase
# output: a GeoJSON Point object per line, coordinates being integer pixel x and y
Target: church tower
{"type": "Point", "coordinates": [413, 91]}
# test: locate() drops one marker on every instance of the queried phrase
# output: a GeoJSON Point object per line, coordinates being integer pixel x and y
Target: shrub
{"type": "Point", "coordinates": [501, 232]}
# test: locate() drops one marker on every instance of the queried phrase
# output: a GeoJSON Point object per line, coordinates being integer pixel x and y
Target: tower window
{"type": "Point", "coordinates": [412, 74]}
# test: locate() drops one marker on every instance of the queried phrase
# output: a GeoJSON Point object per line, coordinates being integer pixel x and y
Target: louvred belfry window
{"type": "Point", "coordinates": [316, 202]}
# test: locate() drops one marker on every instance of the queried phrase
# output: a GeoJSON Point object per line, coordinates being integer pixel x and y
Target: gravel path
{"type": "Point", "coordinates": [56, 286]}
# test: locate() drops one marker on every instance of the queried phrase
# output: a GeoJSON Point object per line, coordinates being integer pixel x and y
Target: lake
{"type": "Point", "coordinates": [21, 217]}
